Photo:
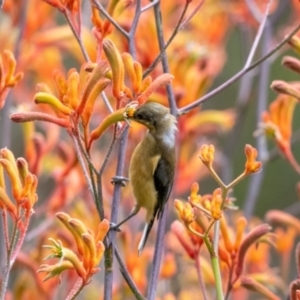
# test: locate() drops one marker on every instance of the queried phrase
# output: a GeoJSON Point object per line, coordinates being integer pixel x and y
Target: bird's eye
{"type": "Point", "coordinates": [138, 116]}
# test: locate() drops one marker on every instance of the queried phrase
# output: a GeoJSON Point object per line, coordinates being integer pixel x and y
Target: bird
{"type": "Point", "coordinates": [152, 164]}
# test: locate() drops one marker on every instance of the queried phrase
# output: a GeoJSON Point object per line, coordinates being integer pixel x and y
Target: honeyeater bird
{"type": "Point", "coordinates": [152, 164]}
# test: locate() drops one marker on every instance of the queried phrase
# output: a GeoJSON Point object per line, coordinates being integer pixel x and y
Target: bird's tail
{"type": "Point", "coordinates": [145, 235]}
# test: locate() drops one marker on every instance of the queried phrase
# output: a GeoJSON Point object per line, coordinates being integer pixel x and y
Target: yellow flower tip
{"type": "Point", "coordinates": [195, 188]}
{"type": "Point", "coordinates": [12, 172]}
{"type": "Point", "coordinates": [178, 205]}
{"type": "Point", "coordinates": [42, 97]}
{"type": "Point", "coordinates": [78, 226]}
{"type": "Point", "coordinates": [206, 204]}
{"type": "Point", "coordinates": [216, 204]}
{"type": "Point", "coordinates": [10, 79]}
{"type": "Point", "coordinates": [22, 166]}
{"type": "Point", "coordinates": [294, 42]}
{"type": "Point", "coordinates": [251, 166]}
{"type": "Point", "coordinates": [117, 67]}
{"type": "Point", "coordinates": [195, 198]}
{"type": "Point", "coordinates": [28, 191]}
{"type": "Point", "coordinates": [102, 230]}
{"type": "Point", "coordinates": [207, 153]}
{"type": "Point", "coordinates": [63, 217]}
{"type": "Point", "coordinates": [186, 211]}
{"type": "Point", "coordinates": [130, 109]}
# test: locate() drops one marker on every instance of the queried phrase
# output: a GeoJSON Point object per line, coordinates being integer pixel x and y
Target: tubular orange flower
{"type": "Point", "coordinates": [253, 285]}
{"type": "Point", "coordinates": [294, 290]}
{"type": "Point", "coordinates": [22, 117]}
{"type": "Point", "coordinates": [97, 74]}
{"type": "Point", "coordinates": [116, 116]}
{"type": "Point", "coordinates": [280, 217]}
{"type": "Point", "coordinates": [284, 87]}
{"type": "Point", "coordinates": [277, 122]}
{"type": "Point", "coordinates": [91, 246]}
{"type": "Point", "coordinates": [225, 235]}
{"type": "Point", "coordinates": [241, 225]}
{"type": "Point", "coordinates": [72, 96]}
{"type": "Point", "coordinates": [207, 153]}
{"type": "Point", "coordinates": [55, 270]}
{"type": "Point", "coordinates": [129, 67]}
{"type": "Point", "coordinates": [102, 230]}
{"type": "Point", "coordinates": [137, 84]}
{"type": "Point", "coordinates": [224, 255]}
{"type": "Point", "coordinates": [23, 184]}
{"type": "Point", "coordinates": [216, 205]}
{"type": "Point", "coordinates": [252, 237]}
{"type": "Point", "coordinates": [5, 203]}
{"type": "Point", "coordinates": [89, 249]}
{"type": "Point", "coordinates": [8, 78]}
{"type": "Point", "coordinates": [100, 248]}
{"type": "Point", "coordinates": [251, 166]}
{"type": "Point", "coordinates": [158, 82]}
{"type": "Point", "coordinates": [22, 166]}
{"type": "Point", "coordinates": [186, 211]}
{"type": "Point", "coordinates": [58, 251]}
{"type": "Point", "coordinates": [194, 197]}
{"type": "Point", "coordinates": [52, 101]}
{"type": "Point", "coordinates": [186, 239]}
{"type": "Point", "coordinates": [14, 178]}
{"type": "Point", "coordinates": [117, 66]}
{"type": "Point", "coordinates": [65, 218]}
{"type": "Point", "coordinates": [285, 239]}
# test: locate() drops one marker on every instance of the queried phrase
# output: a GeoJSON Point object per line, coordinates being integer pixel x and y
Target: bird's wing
{"type": "Point", "coordinates": [163, 184]}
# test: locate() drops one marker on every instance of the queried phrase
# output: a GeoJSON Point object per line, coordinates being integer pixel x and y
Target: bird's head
{"type": "Point", "coordinates": [157, 118]}
{"type": "Point", "coordinates": [154, 116]}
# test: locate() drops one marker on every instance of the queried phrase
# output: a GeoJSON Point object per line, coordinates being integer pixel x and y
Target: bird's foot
{"type": "Point", "coordinates": [119, 180]}
{"type": "Point", "coordinates": [115, 227]}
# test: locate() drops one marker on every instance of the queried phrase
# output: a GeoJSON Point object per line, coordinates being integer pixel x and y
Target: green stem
{"type": "Point", "coordinates": [235, 181]}
{"type": "Point", "coordinates": [217, 275]}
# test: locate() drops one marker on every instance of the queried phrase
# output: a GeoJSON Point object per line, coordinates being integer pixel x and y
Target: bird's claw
{"type": "Point", "coordinates": [114, 227]}
{"type": "Point", "coordinates": [119, 180]}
